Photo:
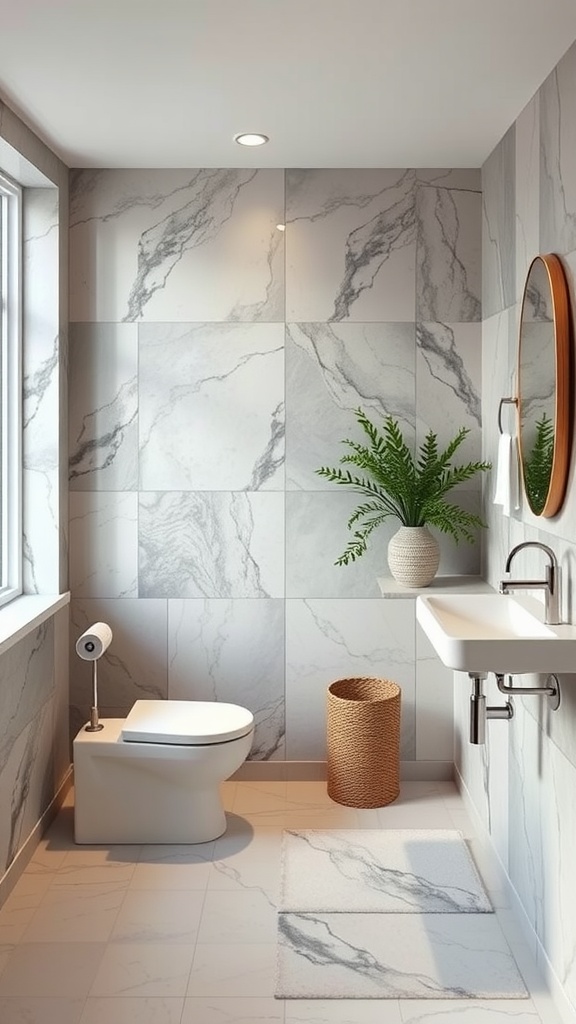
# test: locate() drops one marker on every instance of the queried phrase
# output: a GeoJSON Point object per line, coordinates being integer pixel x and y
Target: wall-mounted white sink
{"type": "Point", "coordinates": [495, 633]}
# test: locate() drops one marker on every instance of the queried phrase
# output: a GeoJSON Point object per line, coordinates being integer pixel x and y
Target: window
{"type": "Point", "coordinates": [10, 390]}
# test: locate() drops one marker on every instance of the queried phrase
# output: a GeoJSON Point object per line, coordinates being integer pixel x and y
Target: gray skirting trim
{"type": "Point", "coordinates": [315, 771]}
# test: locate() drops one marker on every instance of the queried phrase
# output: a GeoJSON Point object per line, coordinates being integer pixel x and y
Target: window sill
{"type": "Point", "coordinates": [24, 614]}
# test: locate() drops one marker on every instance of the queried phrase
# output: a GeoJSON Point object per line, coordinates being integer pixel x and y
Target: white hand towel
{"type": "Point", "coordinates": [507, 492]}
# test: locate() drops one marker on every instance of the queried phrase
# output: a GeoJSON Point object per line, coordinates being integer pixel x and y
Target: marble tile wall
{"type": "Point", "coordinates": [34, 747]}
{"type": "Point", "coordinates": [215, 364]}
{"type": "Point", "coordinates": [523, 782]}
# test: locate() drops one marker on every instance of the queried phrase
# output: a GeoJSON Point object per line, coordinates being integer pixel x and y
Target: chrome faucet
{"type": "Point", "coordinates": [550, 585]}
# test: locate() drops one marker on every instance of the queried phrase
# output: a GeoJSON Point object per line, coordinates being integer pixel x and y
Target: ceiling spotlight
{"type": "Point", "coordinates": [250, 139]}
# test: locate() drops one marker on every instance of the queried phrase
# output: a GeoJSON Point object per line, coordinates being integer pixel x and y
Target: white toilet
{"type": "Point", "coordinates": [154, 776]}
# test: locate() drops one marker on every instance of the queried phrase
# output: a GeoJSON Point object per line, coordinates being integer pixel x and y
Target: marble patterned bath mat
{"type": "Point", "coordinates": [395, 956]}
{"type": "Point", "coordinates": [407, 871]}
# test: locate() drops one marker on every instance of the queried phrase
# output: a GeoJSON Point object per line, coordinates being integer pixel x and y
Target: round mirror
{"type": "Point", "coordinates": [544, 386]}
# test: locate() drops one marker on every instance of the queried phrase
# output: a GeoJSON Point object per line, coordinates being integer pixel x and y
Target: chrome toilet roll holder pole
{"type": "Point", "coordinates": [94, 725]}
{"type": "Point", "coordinates": [90, 647]}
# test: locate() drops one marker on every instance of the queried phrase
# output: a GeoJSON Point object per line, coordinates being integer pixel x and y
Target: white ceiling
{"type": "Point", "coordinates": [334, 83]}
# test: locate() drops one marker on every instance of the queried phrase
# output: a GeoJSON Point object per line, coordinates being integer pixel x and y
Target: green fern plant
{"type": "Point", "coordinates": [538, 464]}
{"type": "Point", "coordinates": [398, 484]}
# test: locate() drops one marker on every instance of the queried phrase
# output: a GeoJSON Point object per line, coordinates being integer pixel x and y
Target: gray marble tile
{"type": "Point", "coordinates": [333, 369]}
{"type": "Point", "coordinates": [316, 535]}
{"type": "Point", "coordinates": [25, 789]}
{"type": "Point", "coordinates": [466, 178]}
{"type": "Point", "coordinates": [448, 385]}
{"type": "Point", "coordinates": [448, 253]}
{"type": "Point", "coordinates": [434, 703]}
{"type": "Point", "coordinates": [557, 157]}
{"type": "Point", "coordinates": [498, 227]}
{"type": "Point", "coordinates": [333, 639]}
{"type": "Point", "coordinates": [135, 665]}
{"type": "Point", "coordinates": [350, 245]}
{"type": "Point", "coordinates": [211, 401]}
{"type": "Point", "coordinates": [177, 245]}
{"type": "Point", "coordinates": [231, 651]}
{"type": "Point", "coordinates": [103, 544]}
{"type": "Point", "coordinates": [211, 544]}
{"type": "Point", "coordinates": [26, 684]}
{"type": "Point", "coordinates": [527, 190]}
{"type": "Point", "coordinates": [103, 413]}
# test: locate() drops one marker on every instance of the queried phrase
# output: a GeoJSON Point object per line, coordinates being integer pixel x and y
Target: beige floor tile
{"type": "Point", "coordinates": [166, 916]}
{"type": "Point", "coordinates": [237, 969]}
{"type": "Point", "coordinates": [173, 867]}
{"type": "Point", "coordinates": [51, 969]}
{"type": "Point", "coordinates": [343, 1011]}
{"type": "Point", "coordinates": [244, 865]}
{"type": "Point", "coordinates": [247, 916]}
{"type": "Point", "coordinates": [143, 969]}
{"type": "Point", "coordinates": [14, 920]}
{"type": "Point", "coordinates": [124, 1010]}
{"type": "Point", "coordinates": [259, 797]}
{"type": "Point", "coordinates": [233, 1011]}
{"type": "Point", "coordinates": [509, 1011]}
{"type": "Point", "coordinates": [76, 914]}
{"type": "Point", "coordinates": [30, 1010]}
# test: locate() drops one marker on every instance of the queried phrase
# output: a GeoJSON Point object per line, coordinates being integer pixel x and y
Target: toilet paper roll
{"type": "Point", "coordinates": [92, 644]}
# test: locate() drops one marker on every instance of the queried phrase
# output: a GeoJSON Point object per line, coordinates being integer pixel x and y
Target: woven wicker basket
{"type": "Point", "coordinates": [363, 742]}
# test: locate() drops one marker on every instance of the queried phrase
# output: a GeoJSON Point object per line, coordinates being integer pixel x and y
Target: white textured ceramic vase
{"type": "Point", "coordinates": [413, 556]}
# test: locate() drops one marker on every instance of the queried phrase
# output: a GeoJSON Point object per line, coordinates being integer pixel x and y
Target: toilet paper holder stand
{"type": "Point", "coordinates": [90, 647]}
{"type": "Point", "coordinates": [94, 725]}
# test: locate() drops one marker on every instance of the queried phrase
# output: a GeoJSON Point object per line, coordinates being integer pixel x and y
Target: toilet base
{"type": "Point", "coordinates": [141, 793]}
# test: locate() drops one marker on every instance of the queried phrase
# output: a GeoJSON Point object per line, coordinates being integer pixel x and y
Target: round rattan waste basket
{"type": "Point", "coordinates": [363, 741]}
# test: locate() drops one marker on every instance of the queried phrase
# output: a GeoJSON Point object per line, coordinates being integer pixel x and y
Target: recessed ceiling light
{"type": "Point", "coordinates": [251, 139]}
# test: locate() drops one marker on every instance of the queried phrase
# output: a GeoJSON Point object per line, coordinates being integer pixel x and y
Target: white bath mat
{"type": "Point", "coordinates": [395, 956]}
{"type": "Point", "coordinates": [393, 871]}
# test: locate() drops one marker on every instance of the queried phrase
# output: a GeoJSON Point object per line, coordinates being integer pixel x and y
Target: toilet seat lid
{"type": "Point", "coordinates": [186, 722]}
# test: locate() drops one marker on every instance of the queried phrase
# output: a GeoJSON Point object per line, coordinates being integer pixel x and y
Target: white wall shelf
{"type": "Point", "coordinates": [389, 588]}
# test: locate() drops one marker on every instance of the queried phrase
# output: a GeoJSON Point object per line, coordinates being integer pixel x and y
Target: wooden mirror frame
{"type": "Point", "coordinates": [563, 384]}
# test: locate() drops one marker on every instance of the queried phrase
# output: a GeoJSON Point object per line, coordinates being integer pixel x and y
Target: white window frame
{"type": "Point", "coordinates": [11, 390]}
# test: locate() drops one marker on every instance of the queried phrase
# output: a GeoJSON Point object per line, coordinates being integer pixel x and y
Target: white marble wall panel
{"type": "Point", "coordinates": [485, 767]}
{"type": "Point", "coordinates": [527, 187]}
{"type": "Point", "coordinates": [543, 814]}
{"type": "Point", "coordinates": [103, 410]}
{"type": "Point", "coordinates": [498, 380]}
{"type": "Point", "coordinates": [332, 370]}
{"type": "Point", "coordinates": [177, 245]}
{"type": "Point", "coordinates": [350, 245]}
{"type": "Point", "coordinates": [41, 391]}
{"type": "Point", "coordinates": [135, 666]}
{"type": "Point", "coordinates": [316, 535]}
{"type": "Point", "coordinates": [59, 761]}
{"type": "Point", "coordinates": [448, 385]}
{"type": "Point", "coordinates": [467, 178]}
{"type": "Point", "coordinates": [211, 544]}
{"type": "Point", "coordinates": [211, 406]}
{"type": "Point", "coordinates": [448, 254]}
{"type": "Point", "coordinates": [498, 227]}
{"type": "Point", "coordinates": [232, 651]}
{"type": "Point", "coordinates": [329, 640]}
{"type": "Point", "coordinates": [558, 157]}
{"type": "Point", "coordinates": [103, 544]}
{"type": "Point", "coordinates": [27, 688]}
{"type": "Point", "coordinates": [433, 703]}
{"type": "Point", "coordinates": [26, 788]}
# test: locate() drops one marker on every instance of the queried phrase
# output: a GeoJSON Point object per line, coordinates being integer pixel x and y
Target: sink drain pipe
{"type": "Point", "coordinates": [480, 712]}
